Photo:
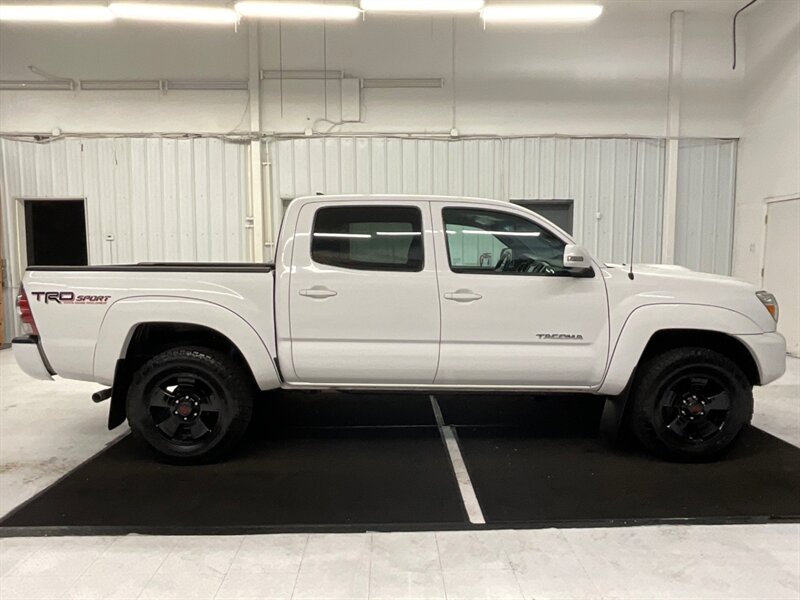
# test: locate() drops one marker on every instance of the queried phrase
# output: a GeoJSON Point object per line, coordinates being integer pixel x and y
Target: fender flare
{"type": "Point", "coordinates": [124, 316]}
{"type": "Point", "coordinates": [644, 322]}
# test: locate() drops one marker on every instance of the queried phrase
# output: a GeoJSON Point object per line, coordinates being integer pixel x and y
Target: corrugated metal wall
{"type": "Point", "coordinates": [161, 199]}
{"type": "Point", "coordinates": [598, 174]}
{"type": "Point", "coordinates": [706, 189]}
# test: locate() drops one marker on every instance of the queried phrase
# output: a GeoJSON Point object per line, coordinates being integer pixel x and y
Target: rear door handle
{"type": "Point", "coordinates": [318, 291]}
{"type": "Point", "coordinates": [462, 296]}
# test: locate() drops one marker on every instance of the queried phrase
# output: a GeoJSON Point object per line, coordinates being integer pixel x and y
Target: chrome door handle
{"type": "Point", "coordinates": [318, 291]}
{"type": "Point", "coordinates": [462, 296]}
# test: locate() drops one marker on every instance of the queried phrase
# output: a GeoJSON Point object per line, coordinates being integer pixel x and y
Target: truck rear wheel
{"type": "Point", "coordinates": [690, 404]}
{"type": "Point", "coordinates": [190, 405]}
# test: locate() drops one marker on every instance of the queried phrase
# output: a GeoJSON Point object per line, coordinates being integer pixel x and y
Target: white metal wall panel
{"type": "Point", "coordinates": [161, 199]}
{"type": "Point", "coordinates": [706, 192]}
{"type": "Point", "coordinates": [598, 174]}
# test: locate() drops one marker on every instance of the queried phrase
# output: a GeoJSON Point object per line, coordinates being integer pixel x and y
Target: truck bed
{"type": "Point", "coordinates": [87, 315]}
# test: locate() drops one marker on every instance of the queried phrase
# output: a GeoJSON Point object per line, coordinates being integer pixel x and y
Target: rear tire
{"type": "Point", "coordinates": [690, 404]}
{"type": "Point", "coordinates": [190, 405]}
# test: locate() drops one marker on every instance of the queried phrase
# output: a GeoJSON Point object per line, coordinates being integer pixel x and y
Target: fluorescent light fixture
{"type": "Point", "coordinates": [358, 236]}
{"type": "Point", "coordinates": [56, 13]}
{"type": "Point", "coordinates": [506, 233]}
{"type": "Point", "coordinates": [402, 83]}
{"type": "Point", "coordinates": [422, 6]}
{"type": "Point", "coordinates": [174, 13]}
{"type": "Point", "coordinates": [209, 85]}
{"type": "Point", "coordinates": [399, 233]}
{"type": "Point", "coordinates": [45, 84]}
{"type": "Point", "coordinates": [301, 74]}
{"type": "Point", "coordinates": [297, 10]}
{"type": "Point", "coordinates": [120, 84]}
{"type": "Point", "coordinates": [541, 13]}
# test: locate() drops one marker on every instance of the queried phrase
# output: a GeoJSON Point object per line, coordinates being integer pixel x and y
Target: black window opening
{"type": "Point", "coordinates": [369, 238]}
{"type": "Point", "coordinates": [55, 233]}
{"type": "Point", "coordinates": [498, 243]}
{"type": "Point", "coordinates": [560, 212]}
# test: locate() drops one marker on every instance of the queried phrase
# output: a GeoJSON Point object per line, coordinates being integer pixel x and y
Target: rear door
{"type": "Point", "coordinates": [511, 314]}
{"type": "Point", "coordinates": [363, 301]}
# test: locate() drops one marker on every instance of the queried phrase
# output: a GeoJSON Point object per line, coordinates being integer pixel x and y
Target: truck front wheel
{"type": "Point", "coordinates": [190, 405]}
{"type": "Point", "coordinates": [690, 404]}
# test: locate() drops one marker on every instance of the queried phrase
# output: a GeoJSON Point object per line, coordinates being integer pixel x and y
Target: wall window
{"type": "Point", "coordinates": [493, 242]}
{"type": "Point", "coordinates": [372, 238]}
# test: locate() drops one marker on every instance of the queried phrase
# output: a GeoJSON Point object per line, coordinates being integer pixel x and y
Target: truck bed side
{"type": "Point", "coordinates": [88, 316]}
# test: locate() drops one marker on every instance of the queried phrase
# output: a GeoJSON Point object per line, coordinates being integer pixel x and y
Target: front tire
{"type": "Point", "coordinates": [190, 405]}
{"type": "Point", "coordinates": [690, 404]}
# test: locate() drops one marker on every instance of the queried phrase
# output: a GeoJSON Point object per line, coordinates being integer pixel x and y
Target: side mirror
{"type": "Point", "coordinates": [576, 257]}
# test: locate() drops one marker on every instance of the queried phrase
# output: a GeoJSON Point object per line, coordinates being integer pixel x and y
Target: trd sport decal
{"type": "Point", "coordinates": [68, 298]}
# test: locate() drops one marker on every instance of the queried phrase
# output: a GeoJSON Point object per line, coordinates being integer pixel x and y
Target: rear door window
{"type": "Point", "coordinates": [369, 238]}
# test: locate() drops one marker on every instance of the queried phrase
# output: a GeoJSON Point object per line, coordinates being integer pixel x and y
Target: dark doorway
{"type": "Point", "coordinates": [55, 231]}
{"type": "Point", "coordinates": [557, 211]}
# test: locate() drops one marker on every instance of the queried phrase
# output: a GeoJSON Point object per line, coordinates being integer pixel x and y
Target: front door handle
{"type": "Point", "coordinates": [318, 291]}
{"type": "Point", "coordinates": [462, 296]}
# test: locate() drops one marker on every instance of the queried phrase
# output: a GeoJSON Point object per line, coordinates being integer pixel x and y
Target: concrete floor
{"type": "Point", "coordinates": [40, 441]}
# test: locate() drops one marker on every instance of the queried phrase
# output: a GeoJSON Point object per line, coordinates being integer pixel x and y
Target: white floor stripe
{"type": "Point", "coordinates": [468, 497]}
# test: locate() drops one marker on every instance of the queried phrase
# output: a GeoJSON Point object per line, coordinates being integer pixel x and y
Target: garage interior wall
{"type": "Point", "coordinates": [146, 199]}
{"type": "Point", "coordinates": [598, 174]}
{"type": "Point", "coordinates": [769, 163]}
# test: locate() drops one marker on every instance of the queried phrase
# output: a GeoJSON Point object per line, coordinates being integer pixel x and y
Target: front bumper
{"type": "Point", "coordinates": [30, 358]}
{"type": "Point", "coordinates": [769, 351]}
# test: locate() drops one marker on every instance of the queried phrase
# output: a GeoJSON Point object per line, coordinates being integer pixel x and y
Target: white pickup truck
{"type": "Point", "coordinates": [405, 293]}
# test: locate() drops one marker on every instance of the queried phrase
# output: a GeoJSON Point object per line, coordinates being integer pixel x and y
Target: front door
{"type": "Point", "coordinates": [511, 313]}
{"type": "Point", "coordinates": [364, 306]}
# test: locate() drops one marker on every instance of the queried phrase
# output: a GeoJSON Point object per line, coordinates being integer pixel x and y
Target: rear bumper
{"type": "Point", "coordinates": [30, 358]}
{"type": "Point", "coordinates": [769, 351]}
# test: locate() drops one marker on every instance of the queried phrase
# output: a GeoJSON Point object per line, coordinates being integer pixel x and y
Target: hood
{"type": "Point", "coordinates": [673, 284]}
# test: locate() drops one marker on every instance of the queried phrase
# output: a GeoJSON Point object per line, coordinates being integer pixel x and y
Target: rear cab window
{"type": "Point", "coordinates": [369, 238]}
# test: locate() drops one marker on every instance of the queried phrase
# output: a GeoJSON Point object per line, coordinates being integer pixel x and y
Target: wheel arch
{"type": "Point", "coordinates": [136, 329]}
{"type": "Point", "coordinates": [653, 329]}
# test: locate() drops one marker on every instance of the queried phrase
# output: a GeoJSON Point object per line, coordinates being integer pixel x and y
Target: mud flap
{"type": "Point", "coordinates": [612, 427]}
{"type": "Point", "coordinates": [117, 412]}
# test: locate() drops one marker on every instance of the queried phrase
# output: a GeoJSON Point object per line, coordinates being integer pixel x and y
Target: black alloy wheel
{"type": "Point", "coordinates": [689, 404]}
{"type": "Point", "coordinates": [190, 404]}
{"type": "Point", "coordinates": [184, 407]}
{"type": "Point", "coordinates": [695, 406]}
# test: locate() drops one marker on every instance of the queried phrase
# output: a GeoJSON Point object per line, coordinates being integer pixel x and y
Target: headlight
{"type": "Point", "coordinates": [770, 303]}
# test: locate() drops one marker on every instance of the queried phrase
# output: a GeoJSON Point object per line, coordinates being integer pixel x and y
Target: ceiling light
{"type": "Point", "coordinates": [45, 84]}
{"type": "Point", "coordinates": [297, 10]}
{"type": "Point", "coordinates": [56, 13]}
{"type": "Point", "coordinates": [426, 6]}
{"type": "Point", "coordinates": [301, 74]}
{"type": "Point", "coordinates": [174, 13]}
{"type": "Point", "coordinates": [120, 84]}
{"type": "Point", "coordinates": [541, 13]}
{"type": "Point", "coordinates": [402, 83]}
{"type": "Point", "coordinates": [207, 85]}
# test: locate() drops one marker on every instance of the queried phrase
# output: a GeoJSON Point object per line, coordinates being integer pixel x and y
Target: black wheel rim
{"type": "Point", "coordinates": [185, 407]}
{"type": "Point", "coordinates": [694, 407]}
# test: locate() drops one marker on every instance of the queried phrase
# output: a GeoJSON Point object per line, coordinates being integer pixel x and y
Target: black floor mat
{"type": "Point", "coordinates": [311, 462]}
{"type": "Point", "coordinates": [355, 462]}
{"type": "Point", "coordinates": [307, 480]}
{"type": "Point", "coordinates": [522, 478]}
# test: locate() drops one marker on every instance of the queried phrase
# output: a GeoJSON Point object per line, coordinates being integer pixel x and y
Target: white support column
{"type": "Point", "coordinates": [673, 132]}
{"type": "Point", "coordinates": [256, 166]}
